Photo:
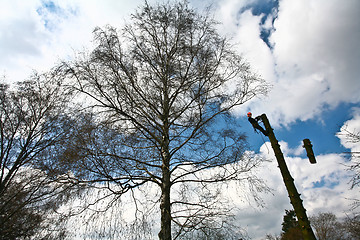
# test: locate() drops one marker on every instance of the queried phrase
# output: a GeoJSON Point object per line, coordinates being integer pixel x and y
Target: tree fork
{"type": "Point", "coordinates": [294, 196]}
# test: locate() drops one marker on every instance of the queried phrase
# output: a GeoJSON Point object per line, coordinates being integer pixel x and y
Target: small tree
{"type": "Point", "coordinates": [289, 221]}
{"type": "Point", "coordinates": [32, 120]}
{"type": "Point", "coordinates": [290, 227]}
{"type": "Point", "coordinates": [163, 89]}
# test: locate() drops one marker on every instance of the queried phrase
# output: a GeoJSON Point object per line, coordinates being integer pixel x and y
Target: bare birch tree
{"type": "Point", "coordinates": [163, 90]}
{"type": "Point", "coordinates": [32, 120]}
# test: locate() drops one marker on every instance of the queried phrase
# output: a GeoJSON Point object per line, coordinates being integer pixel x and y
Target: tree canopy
{"type": "Point", "coordinates": [32, 120]}
{"type": "Point", "coordinates": [163, 89]}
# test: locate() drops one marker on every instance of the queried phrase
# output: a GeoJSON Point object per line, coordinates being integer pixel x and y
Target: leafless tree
{"type": "Point", "coordinates": [162, 91]}
{"type": "Point", "coordinates": [327, 226]}
{"type": "Point", "coordinates": [353, 136]}
{"type": "Point", "coordinates": [272, 237]}
{"type": "Point", "coordinates": [32, 119]}
{"type": "Point", "coordinates": [352, 226]}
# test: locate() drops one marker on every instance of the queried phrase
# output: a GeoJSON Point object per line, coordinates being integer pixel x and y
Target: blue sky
{"type": "Point", "coordinates": [306, 49]}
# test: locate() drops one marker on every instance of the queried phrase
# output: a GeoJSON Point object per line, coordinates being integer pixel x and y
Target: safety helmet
{"type": "Point", "coordinates": [249, 114]}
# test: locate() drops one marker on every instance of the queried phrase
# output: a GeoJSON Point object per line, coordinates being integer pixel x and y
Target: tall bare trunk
{"type": "Point", "coordinates": [165, 206]}
{"type": "Point", "coordinates": [294, 196]}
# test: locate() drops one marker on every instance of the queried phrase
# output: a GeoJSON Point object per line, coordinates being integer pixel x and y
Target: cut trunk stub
{"type": "Point", "coordinates": [309, 151]}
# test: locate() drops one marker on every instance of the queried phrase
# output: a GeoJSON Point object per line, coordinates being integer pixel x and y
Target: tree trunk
{"type": "Point", "coordinates": [165, 232]}
{"type": "Point", "coordinates": [294, 196]}
{"type": "Point", "coordinates": [165, 206]}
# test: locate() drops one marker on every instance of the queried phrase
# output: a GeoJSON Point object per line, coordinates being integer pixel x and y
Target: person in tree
{"type": "Point", "coordinates": [255, 124]}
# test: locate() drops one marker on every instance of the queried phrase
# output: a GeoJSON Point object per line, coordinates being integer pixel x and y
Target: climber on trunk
{"type": "Point", "coordinates": [255, 124]}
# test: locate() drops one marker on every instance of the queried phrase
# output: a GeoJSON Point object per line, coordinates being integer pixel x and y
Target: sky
{"type": "Point", "coordinates": [307, 50]}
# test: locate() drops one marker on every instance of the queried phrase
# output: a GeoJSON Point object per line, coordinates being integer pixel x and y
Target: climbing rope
{"type": "Point", "coordinates": [264, 142]}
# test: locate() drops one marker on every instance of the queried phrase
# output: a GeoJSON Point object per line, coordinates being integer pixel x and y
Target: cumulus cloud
{"type": "Point", "coordinates": [240, 24]}
{"type": "Point", "coordinates": [35, 34]}
{"type": "Point", "coordinates": [28, 30]}
{"type": "Point", "coordinates": [312, 59]}
{"type": "Point", "coordinates": [19, 33]}
{"type": "Point", "coordinates": [350, 132]}
{"type": "Point", "coordinates": [316, 56]}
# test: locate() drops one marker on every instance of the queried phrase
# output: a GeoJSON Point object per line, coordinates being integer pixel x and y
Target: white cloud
{"type": "Point", "coordinates": [351, 127]}
{"type": "Point", "coordinates": [244, 29]}
{"type": "Point", "coordinates": [254, 49]}
{"type": "Point", "coordinates": [35, 34]}
{"type": "Point", "coordinates": [19, 33]}
{"type": "Point", "coordinates": [316, 56]}
{"type": "Point", "coordinates": [314, 62]}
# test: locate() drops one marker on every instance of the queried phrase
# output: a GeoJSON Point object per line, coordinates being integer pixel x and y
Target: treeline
{"type": "Point", "coordinates": [326, 226]}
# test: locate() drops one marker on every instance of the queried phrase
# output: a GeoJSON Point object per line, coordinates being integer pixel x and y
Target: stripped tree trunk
{"type": "Point", "coordinates": [294, 196]}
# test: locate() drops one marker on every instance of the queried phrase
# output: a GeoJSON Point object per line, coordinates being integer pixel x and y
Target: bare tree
{"type": "Point", "coordinates": [352, 136]}
{"type": "Point", "coordinates": [162, 91]}
{"type": "Point", "coordinates": [352, 226]}
{"type": "Point", "coordinates": [272, 237]}
{"type": "Point", "coordinates": [32, 119]}
{"type": "Point", "coordinates": [327, 226]}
